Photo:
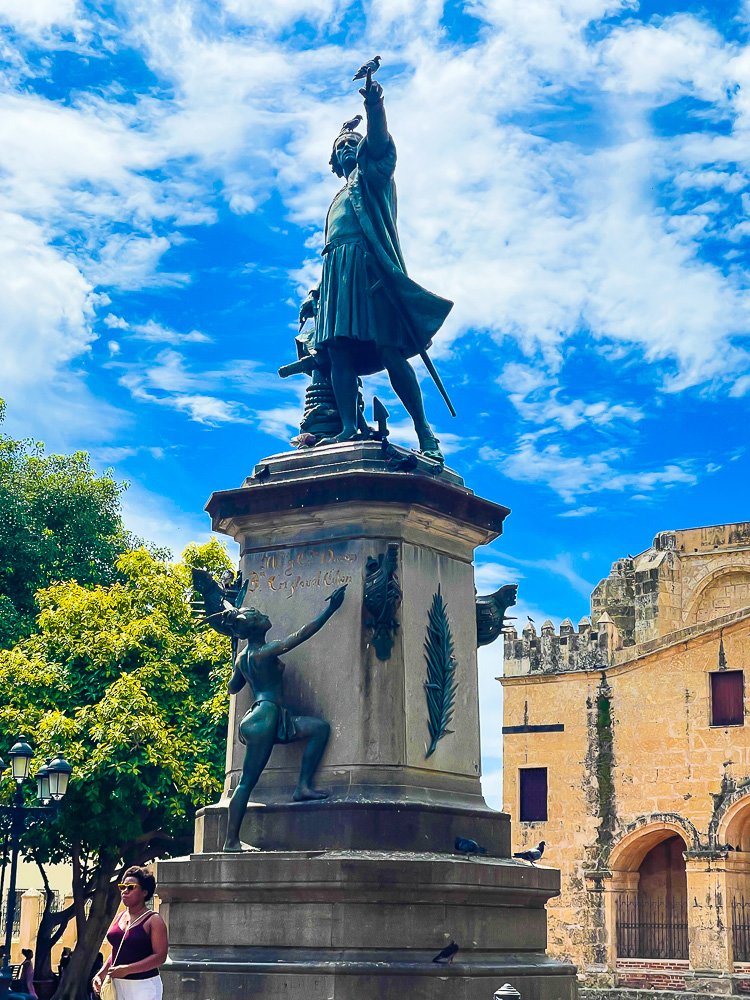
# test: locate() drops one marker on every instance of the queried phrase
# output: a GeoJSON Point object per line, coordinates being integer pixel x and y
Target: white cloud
{"type": "Point", "coordinates": [571, 475]}
{"type": "Point", "coordinates": [489, 576]}
{"type": "Point", "coordinates": [492, 780]}
{"type": "Point", "coordinates": [490, 666]}
{"type": "Point", "coordinates": [583, 511]}
{"type": "Point", "coordinates": [538, 401]}
{"type": "Point", "coordinates": [158, 520]}
{"type": "Point", "coordinates": [562, 566]}
{"type": "Point", "coordinates": [661, 62]}
{"type": "Point", "coordinates": [34, 17]}
{"type": "Point", "coordinates": [282, 13]}
{"type": "Point", "coordinates": [158, 334]}
{"type": "Point", "coordinates": [45, 320]}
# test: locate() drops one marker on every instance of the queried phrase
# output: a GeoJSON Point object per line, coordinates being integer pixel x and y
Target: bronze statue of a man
{"type": "Point", "coordinates": [369, 315]}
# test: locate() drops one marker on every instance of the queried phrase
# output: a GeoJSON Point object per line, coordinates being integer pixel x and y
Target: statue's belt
{"type": "Point", "coordinates": [342, 241]}
{"type": "Point", "coordinates": [356, 241]}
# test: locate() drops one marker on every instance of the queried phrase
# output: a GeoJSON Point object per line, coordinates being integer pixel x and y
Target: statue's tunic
{"type": "Point", "coordinates": [365, 293]}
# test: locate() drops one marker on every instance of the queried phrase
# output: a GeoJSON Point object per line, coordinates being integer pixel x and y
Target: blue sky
{"type": "Point", "coordinates": [575, 175]}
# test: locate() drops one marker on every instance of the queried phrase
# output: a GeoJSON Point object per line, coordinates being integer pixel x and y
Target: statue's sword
{"type": "Point", "coordinates": [422, 353]}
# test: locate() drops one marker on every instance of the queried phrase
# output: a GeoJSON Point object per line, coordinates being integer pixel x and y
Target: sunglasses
{"type": "Point", "coordinates": [126, 886]}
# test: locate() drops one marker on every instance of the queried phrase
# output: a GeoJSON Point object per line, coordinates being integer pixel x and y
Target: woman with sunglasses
{"type": "Point", "coordinates": [138, 937]}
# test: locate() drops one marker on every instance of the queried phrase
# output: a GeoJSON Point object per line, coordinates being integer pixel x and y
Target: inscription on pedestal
{"type": "Point", "coordinates": [291, 571]}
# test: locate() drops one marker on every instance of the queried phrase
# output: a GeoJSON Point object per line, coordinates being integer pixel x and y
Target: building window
{"type": "Point", "coordinates": [727, 698]}
{"type": "Point", "coordinates": [532, 782]}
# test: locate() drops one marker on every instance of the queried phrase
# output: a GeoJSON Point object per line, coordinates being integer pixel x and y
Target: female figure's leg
{"type": "Point", "coordinates": [258, 730]}
{"type": "Point", "coordinates": [316, 732]}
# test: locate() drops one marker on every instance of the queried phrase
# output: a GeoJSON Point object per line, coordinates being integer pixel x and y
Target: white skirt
{"type": "Point", "coordinates": [139, 989]}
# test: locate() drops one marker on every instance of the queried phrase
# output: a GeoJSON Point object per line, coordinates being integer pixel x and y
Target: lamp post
{"type": "Point", "coordinates": [52, 784]}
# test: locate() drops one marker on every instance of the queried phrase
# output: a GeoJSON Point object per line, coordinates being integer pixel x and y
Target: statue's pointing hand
{"type": "Point", "coordinates": [372, 91]}
{"type": "Point", "coordinates": [337, 598]}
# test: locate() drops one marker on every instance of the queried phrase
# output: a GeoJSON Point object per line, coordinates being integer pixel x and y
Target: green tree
{"type": "Point", "coordinates": [59, 521]}
{"type": "Point", "coordinates": [122, 680]}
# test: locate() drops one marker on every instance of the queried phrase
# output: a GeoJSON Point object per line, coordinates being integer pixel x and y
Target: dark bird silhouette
{"type": "Point", "coordinates": [491, 609]}
{"type": "Point", "coordinates": [447, 954]}
{"type": "Point", "coordinates": [351, 124]}
{"type": "Point", "coordinates": [398, 461]}
{"type": "Point", "coordinates": [530, 619]}
{"type": "Point", "coordinates": [466, 846]}
{"type": "Point", "coordinates": [372, 67]}
{"type": "Point", "coordinates": [261, 473]}
{"type": "Point", "coordinates": [532, 855]}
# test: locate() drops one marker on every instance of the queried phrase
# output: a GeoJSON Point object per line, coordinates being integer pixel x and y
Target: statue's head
{"type": "Point", "coordinates": [242, 622]}
{"type": "Point", "coordinates": [344, 153]}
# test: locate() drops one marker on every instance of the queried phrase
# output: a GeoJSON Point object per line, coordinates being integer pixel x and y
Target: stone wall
{"type": "Point", "coordinates": [631, 754]}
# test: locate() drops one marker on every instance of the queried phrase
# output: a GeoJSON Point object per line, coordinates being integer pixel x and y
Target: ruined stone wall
{"type": "Point", "coordinates": [550, 652]}
{"type": "Point", "coordinates": [687, 576]}
{"type": "Point", "coordinates": [636, 745]}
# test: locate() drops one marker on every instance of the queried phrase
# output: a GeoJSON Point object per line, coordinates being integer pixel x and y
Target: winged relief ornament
{"type": "Point", "coordinates": [382, 597]}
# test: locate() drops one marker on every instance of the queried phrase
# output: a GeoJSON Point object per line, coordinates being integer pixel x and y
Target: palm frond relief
{"type": "Point", "coordinates": [441, 684]}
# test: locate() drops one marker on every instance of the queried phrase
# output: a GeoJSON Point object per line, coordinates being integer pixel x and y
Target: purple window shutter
{"type": "Point", "coordinates": [727, 701]}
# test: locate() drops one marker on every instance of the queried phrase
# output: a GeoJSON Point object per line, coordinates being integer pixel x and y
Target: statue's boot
{"type": "Point", "coordinates": [429, 446]}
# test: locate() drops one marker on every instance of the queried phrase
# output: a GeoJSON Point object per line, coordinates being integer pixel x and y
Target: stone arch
{"type": "Point", "coordinates": [649, 910]}
{"type": "Point", "coordinates": [730, 585]}
{"type": "Point", "coordinates": [641, 836]}
{"type": "Point", "coordinates": [731, 823]}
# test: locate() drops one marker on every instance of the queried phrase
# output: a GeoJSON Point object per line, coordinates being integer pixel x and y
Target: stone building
{"type": "Point", "coordinates": [626, 751]}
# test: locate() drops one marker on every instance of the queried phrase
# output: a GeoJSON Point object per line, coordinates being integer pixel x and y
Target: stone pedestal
{"type": "Point", "coordinates": [353, 896]}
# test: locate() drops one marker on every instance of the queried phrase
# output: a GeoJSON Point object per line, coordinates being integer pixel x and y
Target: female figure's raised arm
{"type": "Point", "coordinates": [297, 638]}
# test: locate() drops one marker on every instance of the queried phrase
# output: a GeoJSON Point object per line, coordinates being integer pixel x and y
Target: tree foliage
{"type": "Point", "coordinates": [122, 681]}
{"type": "Point", "coordinates": [59, 521]}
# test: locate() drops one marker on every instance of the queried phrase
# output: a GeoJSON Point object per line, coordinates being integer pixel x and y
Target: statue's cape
{"type": "Point", "coordinates": [372, 193]}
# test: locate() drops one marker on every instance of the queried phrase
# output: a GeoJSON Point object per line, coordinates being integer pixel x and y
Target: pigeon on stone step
{"type": "Point", "coordinates": [532, 855]}
{"type": "Point", "coordinates": [466, 846]}
{"type": "Point", "coordinates": [447, 954]}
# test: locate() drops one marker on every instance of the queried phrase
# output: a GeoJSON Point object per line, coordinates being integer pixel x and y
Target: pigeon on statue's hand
{"type": "Point", "coordinates": [531, 855]}
{"type": "Point", "coordinates": [372, 66]}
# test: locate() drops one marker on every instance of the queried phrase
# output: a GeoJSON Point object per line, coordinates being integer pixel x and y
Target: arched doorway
{"type": "Point", "coordinates": [662, 901]}
{"type": "Point", "coordinates": [651, 904]}
{"type": "Point", "coordinates": [734, 831]}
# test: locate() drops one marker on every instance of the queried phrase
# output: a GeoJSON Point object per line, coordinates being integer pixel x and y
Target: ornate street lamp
{"type": "Point", "coordinates": [20, 758]}
{"type": "Point", "coordinates": [59, 771]}
{"type": "Point", "coordinates": [51, 785]}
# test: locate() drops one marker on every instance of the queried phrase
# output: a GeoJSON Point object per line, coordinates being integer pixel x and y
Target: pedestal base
{"type": "Point", "coordinates": [384, 825]}
{"type": "Point", "coordinates": [340, 925]}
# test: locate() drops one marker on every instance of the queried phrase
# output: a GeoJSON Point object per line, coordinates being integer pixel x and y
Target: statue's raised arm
{"type": "Point", "coordinates": [378, 139]}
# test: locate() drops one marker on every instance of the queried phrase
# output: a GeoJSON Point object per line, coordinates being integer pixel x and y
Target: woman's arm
{"type": "Point", "coordinates": [157, 930]}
